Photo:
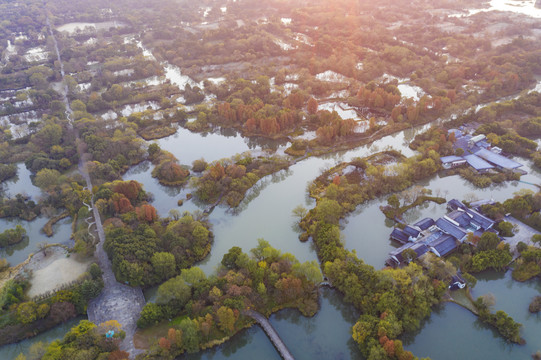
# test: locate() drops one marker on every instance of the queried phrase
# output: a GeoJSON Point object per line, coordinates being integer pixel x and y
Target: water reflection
{"type": "Point", "coordinates": [323, 336]}
{"type": "Point", "coordinates": [450, 324]}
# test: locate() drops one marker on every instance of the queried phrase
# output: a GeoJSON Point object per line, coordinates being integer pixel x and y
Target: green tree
{"type": "Point", "coordinates": [150, 315]}
{"type": "Point", "coordinates": [393, 201]}
{"type": "Point", "coordinates": [229, 260]}
{"type": "Point", "coordinates": [329, 211]}
{"type": "Point", "coordinates": [506, 229]}
{"type": "Point", "coordinates": [489, 241]}
{"type": "Point", "coordinates": [310, 270]}
{"type": "Point", "coordinates": [193, 275]}
{"type": "Point", "coordinates": [163, 264]}
{"type": "Point", "coordinates": [226, 319]}
{"type": "Point", "coordinates": [190, 335]}
{"type": "Point", "coordinates": [47, 178]}
{"type": "Point", "coordinates": [174, 291]}
{"type": "Point", "coordinates": [27, 312]}
{"type": "Point", "coordinates": [299, 212]}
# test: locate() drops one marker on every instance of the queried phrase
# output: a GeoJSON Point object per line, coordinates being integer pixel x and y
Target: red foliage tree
{"type": "Point", "coordinates": [250, 125]}
{"type": "Point", "coordinates": [164, 343]}
{"type": "Point", "coordinates": [62, 311]}
{"type": "Point", "coordinates": [312, 106]}
{"type": "Point", "coordinates": [389, 348]}
{"type": "Point", "coordinates": [217, 171]}
{"type": "Point", "coordinates": [129, 189]}
{"type": "Point", "coordinates": [118, 355]}
{"type": "Point", "coordinates": [123, 205]}
{"type": "Point", "coordinates": [147, 213]}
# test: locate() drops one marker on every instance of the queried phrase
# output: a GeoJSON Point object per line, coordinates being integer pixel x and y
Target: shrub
{"type": "Point", "coordinates": [150, 315]}
{"type": "Point", "coordinates": [535, 305]}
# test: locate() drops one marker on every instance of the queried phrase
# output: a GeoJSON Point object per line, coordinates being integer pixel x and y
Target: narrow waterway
{"type": "Point", "coordinates": [10, 352]}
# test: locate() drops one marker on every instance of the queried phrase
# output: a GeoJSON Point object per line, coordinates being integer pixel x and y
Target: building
{"type": "Point", "coordinates": [499, 161]}
{"type": "Point", "coordinates": [476, 140]}
{"type": "Point", "coordinates": [478, 153]}
{"type": "Point", "coordinates": [452, 161]}
{"type": "Point", "coordinates": [442, 236]}
{"type": "Point", "coordinates": [457, 282]}
{"type": "Point", "coordinates": [478, 164]}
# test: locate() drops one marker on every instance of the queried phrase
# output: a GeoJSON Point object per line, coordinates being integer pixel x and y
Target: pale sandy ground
{"type": "Point", "coordinates": [53, 270]}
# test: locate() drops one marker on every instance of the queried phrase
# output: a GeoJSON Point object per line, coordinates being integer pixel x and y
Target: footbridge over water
{"type": "Point", "coordinates": [271, 333]}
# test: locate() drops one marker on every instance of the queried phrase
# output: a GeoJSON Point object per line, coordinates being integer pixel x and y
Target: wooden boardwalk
{"type": "Point", "coordinates": [271, 333]}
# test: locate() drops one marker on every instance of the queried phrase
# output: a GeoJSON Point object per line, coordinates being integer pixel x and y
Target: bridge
{"type": "Point", "coordinates": [271, 333]}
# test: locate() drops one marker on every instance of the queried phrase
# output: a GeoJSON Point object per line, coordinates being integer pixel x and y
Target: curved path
{"type": "Point", "coordinates": [117, 301]}
{"type": "Point", "coordinates": [271, 333]}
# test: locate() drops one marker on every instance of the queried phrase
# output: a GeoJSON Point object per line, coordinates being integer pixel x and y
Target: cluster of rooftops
{"type": "Point", "coordinates": [441, 236]}
{"type": "Point", "coordinates": [477, 153]}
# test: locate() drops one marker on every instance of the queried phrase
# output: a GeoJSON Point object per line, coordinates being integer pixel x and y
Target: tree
{"type": "Point", "coordinates": [409, 255]}
{"type": "Point", "coordinates": [310, 270]}
{"type": "Point", "coordinates": [226, 319]}
{"type": "Point", "coordinates": [150, 315]}
{"type": "Point", "coordinates": [193, 275]}
{"type": "Point", "coordinates": [393, 201]}
{"type": "Point", "coordinates": [229, 260]}
{"type": "Point", "coordinates": [164, 265]}
{"type": "Point", "coordinates": [174, 291]}
{"type": "Point", "coordinates": [190, 336]}
{"type": "Point", "coordinates": [27, 312]}
{"type": "Point", "coordinates": [506, 229]}
{"type": "Point", "coordinates": [488, 241]}
{"type": "Point", "coordinates": [299, 212]}
{"type": "Point", "coordinates": [62, 311]}
{"type": "Point", "coordinates": [329, 211]}
{"type": "Point", "coordinates": [312, 106]}
{"type": "Point", "coordinates": [153, 150]}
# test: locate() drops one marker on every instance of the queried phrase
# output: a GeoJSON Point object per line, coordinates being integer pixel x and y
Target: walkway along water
{"type": "Point", "coordinates": [117, 301]}
{"type": "Point", "coordinates": [271, 333]}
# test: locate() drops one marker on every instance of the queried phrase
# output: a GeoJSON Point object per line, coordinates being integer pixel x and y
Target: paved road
{"type": "Point", "coordinates": [523, 233]}
{"type": "Point", "coordinates": [117, 301]}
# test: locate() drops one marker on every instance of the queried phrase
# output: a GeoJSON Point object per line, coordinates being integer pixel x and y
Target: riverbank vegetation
{"type": "Point", "coordinates": [503, 323]}
{"type": "Point", "coordinates": [207, 311]}
{"type": "Point", "coordinates": [338, 191]}
{"type": "Point", "coordinates": [12, 236]}
{"type": "Point", "coordinates": [228, 180]}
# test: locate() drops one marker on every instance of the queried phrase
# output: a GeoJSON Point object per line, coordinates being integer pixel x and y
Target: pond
{"type": "Point", "coordinates": [73, 27]}
{"type": "Point", "coordinates": [18, 253]}
{"type": "Point", "coordinates": [451, 324]}
{"type": "Point", "coordinates": [188, 146]}
{"type": "Point", "coordinates": [21, 184]}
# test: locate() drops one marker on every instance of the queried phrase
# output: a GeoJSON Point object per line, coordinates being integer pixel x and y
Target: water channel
{"type": "Point", "coordinates": [266, 213]}
{"type": "Point", "coordinates": [15, 254]}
